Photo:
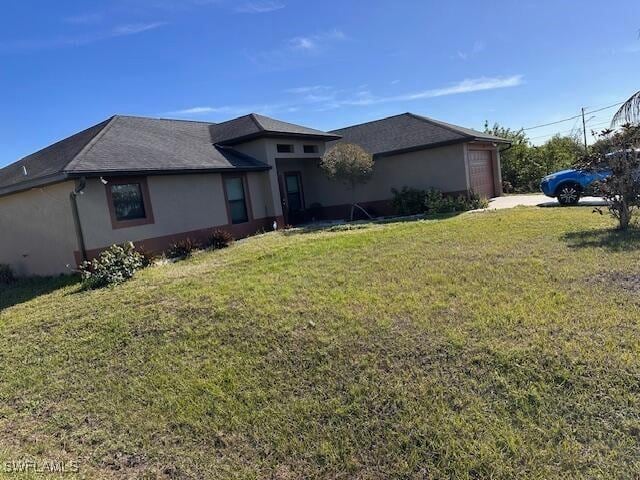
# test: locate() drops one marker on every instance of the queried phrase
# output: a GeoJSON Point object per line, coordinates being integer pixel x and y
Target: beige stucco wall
{"type": "Point", "coordinates": [37, 233]}
{"type": "Point", "coordinates": [442, 168]}
{"type": "Point", "coordinates": [180, 203]}
{"type": "Point", "coordinates": [265, 150]}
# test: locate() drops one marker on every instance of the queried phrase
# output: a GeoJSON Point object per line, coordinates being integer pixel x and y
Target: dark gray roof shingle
{"type": "Point", "coordinates": [125, 144]}
{"type": "Point", "coordinates": [255, 125]}
{"type": "Point", "coordinates": [50, 160]}
{"type": "Point", "coordinates": [407, 132]}
{"type": "Point", "coordinates": [135, 144]}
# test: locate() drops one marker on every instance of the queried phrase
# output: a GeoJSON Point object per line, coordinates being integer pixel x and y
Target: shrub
{"type": "Point", "coordinates": [182, 248]}
{"type": "Point", "coordinates": [476, 202]}
{"type": "Point", "coordinates": [435, 202]}
{"type": "Point", "coordinates": [147, 257]}
{"type": "Point", "coordinates": [219, 239]}
{"type": "Point", "coordinates": [6, 274]}
{"type": "Point", "coordinates": [115, 265]}
{"type": "Point", "coordinates": [411, 201]}
{"type": "Point", "coordinates": [408, 201]}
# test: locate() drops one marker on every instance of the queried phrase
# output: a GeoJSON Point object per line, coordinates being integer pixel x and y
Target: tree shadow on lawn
{"type": "Point", "coordinates": [343, 225]}
{"type": "Point", "coordinates": [609, 239]}
{"type": "Point", "coordinates": [27, 289]}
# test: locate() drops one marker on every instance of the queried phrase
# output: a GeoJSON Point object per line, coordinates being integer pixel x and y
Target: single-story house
{"type": "Point", "coordinates": [156, 181]}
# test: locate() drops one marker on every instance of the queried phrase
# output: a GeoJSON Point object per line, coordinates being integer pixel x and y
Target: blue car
{"type": "Point", "coordinates": [569, 185]}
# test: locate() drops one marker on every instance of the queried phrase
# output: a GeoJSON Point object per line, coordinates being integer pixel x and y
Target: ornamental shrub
{"type": "Point", "coordinates": [219, 239]}
{"type": "Point", "coordinates": [115, 265]}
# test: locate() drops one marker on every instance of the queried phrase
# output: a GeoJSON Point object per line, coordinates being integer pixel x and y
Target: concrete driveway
{"type": "Point", "coordinates": [537, 200]}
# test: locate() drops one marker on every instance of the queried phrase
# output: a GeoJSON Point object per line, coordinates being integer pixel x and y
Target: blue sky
{"type": "Point", "coordinates": [66, 65]}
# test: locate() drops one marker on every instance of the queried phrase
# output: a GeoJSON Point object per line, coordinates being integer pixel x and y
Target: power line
{"type": "Point", "coordinates": [572, 130]}
{"type": "Point", "coordinates": [573, 117]}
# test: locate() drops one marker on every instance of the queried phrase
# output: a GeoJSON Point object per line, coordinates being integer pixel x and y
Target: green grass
{"type": "Point", "coordinates": [494, 344]}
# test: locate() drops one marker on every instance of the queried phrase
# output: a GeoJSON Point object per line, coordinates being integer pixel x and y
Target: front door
{"type": "Point", "coordinates": [293, 198]}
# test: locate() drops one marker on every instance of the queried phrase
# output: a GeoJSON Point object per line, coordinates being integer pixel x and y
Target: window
{"type": "Point", "coordinates": [284, 148]}
{"type": "Point", "coordinates": [294, 192]}
{"type": "Point", "coordinates": [310, 149]}
{"type": "Point", "coordinates": [234, 187]}
{"type": "Point", "coordinates": [129, 202]}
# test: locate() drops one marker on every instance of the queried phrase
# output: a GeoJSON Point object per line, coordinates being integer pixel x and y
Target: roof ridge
{"type": "Point", "coordinates": [142, 117]}
{"type": "Point", "coordinates": [90, 144]}
{"type": "Point", "coordinates": [370, 121]}
{"type": "Point", "coordinates": [253, 117]}
{"type": "Point", "coordinates": [440, 124]}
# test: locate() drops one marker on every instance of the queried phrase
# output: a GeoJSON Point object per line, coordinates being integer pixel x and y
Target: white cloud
{"type": "Point", "coordinates": [134, 28]}
{"type": "Point", "coordinates": [323, 98]}
{"type": "Point", "coordinates": [260, 7]}
{"type": "Point", "coordinates": [477, 48]}
{"type": "Point", "coordinates": [308, 89]}
{"type": "Point", "coordinates": [317, 41]}
{"type": "Point", "coordinates": [194, 111]}
{"type": "Point", "coordinates": [465, 86]}
{"type": "Point", "coordinates": [80, 39]}
{"type": "Point", "coordinates": [231, 110]}
{"type": "Point", "coordinates": [303, 43]}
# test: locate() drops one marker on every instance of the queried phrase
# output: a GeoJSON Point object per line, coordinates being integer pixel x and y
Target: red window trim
{"type": "Point", "coordinates": [146, 198]}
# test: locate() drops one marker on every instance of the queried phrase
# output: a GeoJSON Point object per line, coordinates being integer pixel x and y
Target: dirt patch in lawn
{"type": "Point", "coordinates": [629, 282]}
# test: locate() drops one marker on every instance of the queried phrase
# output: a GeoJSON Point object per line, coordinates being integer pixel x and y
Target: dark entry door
{"type": "Point", "coordinates": [294, 198]}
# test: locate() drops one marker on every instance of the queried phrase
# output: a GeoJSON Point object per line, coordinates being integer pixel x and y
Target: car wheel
{"type": "Point", "coordinates": [568, 194]}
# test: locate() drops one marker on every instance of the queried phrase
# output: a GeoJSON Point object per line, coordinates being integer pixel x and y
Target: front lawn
{"type": "Point", "coordinates": [498, 344]}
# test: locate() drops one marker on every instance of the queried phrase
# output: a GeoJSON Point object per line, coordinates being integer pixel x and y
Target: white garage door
{"type": "Point", "coordinates": [481, 173]}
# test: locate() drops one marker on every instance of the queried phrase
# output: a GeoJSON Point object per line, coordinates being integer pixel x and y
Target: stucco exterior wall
{"type": "Point", "coordinates": [37, 233]}
{"type": "Point", "coordinates": [180, 203]}
{"type": "Point", "coordinates": [266, 150]}
{"type": "Point", "coordinates": [442, 168]}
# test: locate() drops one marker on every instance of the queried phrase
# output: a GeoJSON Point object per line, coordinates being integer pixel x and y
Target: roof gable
{"type": "Point", "coordinates": [51, 160]}
{"type": "Point", "coordinates": [254, 125]}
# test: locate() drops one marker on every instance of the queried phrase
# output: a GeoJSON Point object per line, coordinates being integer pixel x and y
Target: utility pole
{"type": "Point", "coordinates": [584, 131]}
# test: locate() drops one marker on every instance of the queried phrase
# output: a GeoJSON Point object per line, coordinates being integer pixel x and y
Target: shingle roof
{"type": "Point", "coordinates": [125, 144]}
{"type": "Point", "coordinates": [408, 131]}
{"type": "Point", "coordinates": [255, 125]}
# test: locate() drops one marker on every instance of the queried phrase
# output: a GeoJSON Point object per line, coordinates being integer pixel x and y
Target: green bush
{"type": "Point", "coordinates": [182, 248]}
{"type": "Point", "coordinates": [408, 201]}
{"type": "Point", "coordinates": [477, 202]}
{"type": "Point", "coordinates": [219, 239]}
{"type": "Point", "coordinates": [115, 265]}
{"type": "Point", "coordinates": [6, 274]}
{"type": "Point", "coordinates": [411, 201]}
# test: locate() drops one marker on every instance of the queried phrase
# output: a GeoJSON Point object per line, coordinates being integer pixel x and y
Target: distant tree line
{"type": "Point", "coordinates": [524, 164]}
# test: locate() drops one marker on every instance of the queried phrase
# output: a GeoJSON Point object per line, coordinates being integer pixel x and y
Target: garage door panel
{"type": "Point", "coordinates": [481, 173]}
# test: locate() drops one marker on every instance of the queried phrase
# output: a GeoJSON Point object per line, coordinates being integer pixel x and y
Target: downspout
{"type": "Point", "coordinates": [80, 186]}
{"type": "Point", "coordinates": [505, 149]}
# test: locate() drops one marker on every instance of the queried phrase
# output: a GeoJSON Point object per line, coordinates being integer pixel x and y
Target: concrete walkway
{"type": "Point", "coordinates": [538, 200]}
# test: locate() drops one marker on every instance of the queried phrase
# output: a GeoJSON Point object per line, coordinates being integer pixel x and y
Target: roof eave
{"type": "Point", "coordinates": [34, 183]}
{"type": "Point", "coordinates": [492, 140]}
{"type": "Point", "coordinates": [170, 171]}
{"type": "Point", "coordinates": [267, 134]}
{"type": "Point", "coordinates": [427, 146]}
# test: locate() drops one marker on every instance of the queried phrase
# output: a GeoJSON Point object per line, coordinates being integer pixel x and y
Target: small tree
{"type": "Point", "coordinates": [350, 164]}
{"type": "Point", "coordinates": [617, 153]}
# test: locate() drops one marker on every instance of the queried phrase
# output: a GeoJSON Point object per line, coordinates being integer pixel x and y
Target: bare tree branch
{"type": "Point", "coordinates": [628, 113]}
